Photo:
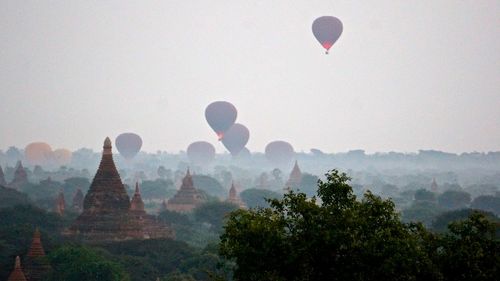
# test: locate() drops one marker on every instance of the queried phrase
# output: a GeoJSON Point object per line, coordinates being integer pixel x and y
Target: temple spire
{"type": "Point", "coordinates": [17, 274]}
{"type": "Point", "coordinates": [107, 148]}
{"type": "Point", "coordinates": [137, 204]}
{"type": "Point", "coordinates": [36, 249]}
{"type": "Point", "coordinates": [2, 178]}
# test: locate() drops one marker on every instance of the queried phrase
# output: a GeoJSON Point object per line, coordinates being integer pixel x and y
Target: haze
{"type": "Point", "coordinates": [404, 75]}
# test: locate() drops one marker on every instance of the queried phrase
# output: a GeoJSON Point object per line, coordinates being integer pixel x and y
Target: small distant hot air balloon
{"type": "Point", "coordinates": [38, 153]}
{"type": "Point", "coordinates": [280, 152]}
{"type": "Point", "coordinates": [62, 156]}
{"type": "Point", "coordinates": [236, 138]}
{"type": "Point", "coordinates": [220, 115]}
{"type": "Point", "coordinates": [128, 144]}
{"type": "Point", "coordinates": [327, 31]}
{"type": "Point", "coordinates": [201, 153]}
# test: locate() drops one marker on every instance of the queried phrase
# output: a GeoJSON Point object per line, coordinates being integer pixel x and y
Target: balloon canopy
{"type": "Point", "coordinates": [128, 144]}
{"type": "Point", "coordinates": [220, 115]}
{"type": "Point", "coordinates": [327, 30]}
{"type": "Point", "coordinates": [62, 156]}
{"type": "Point", "coordinates": [201, 153]}
{"type": "Point", "coordinates": [280, 152]}
{"type": "Point", "coordinates": [38, 153]}
{"type": "Point", "coordinates": [236, 138]}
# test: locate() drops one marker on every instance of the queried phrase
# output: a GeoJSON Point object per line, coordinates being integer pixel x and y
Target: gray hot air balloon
{"type": "Point", "coordinates": [236, 138]}
{"type": "Point", "coordinates": [201, 153]}
{"type": "Point", "coordinates": [221, 115]}
{"type": "Point", "coordinates": [327, 30]}
{"type": "Point", "coordinates": [128, 144]}
{"type": "Point", "coordinates": [280, 152]}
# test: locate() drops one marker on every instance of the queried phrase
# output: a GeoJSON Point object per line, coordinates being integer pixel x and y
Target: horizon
{"type": "Point", "coordinates": [402, 77]}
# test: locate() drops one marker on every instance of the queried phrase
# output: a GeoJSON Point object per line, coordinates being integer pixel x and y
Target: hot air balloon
{"type": "Point", "coordinates": [38, 153]}
{"type": "Point", "coordinates": [128, 144]}
{"type": "Point", "coordinates": [327, 31]}
{"type": "Point", "coordinates": [236, 138]}
{"type": "Point", "coordinates": [201, 153]}
{"type": "Point", "coordinates": [220, 115]}
{"type": "Point", "coordinates": [279, 152]}
{"type": "Point", "coordinates": [62, 156]}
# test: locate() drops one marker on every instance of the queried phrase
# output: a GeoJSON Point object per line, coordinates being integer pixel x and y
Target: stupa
{"type": "Point", "coordinates": [187, 197]}
{"type": "Point", "coordinates": [60, 204]}
{"type": "Point", "coordinates": [107, 214]}
{"type": "Point", "coordinates": [17, 274]}
{"type": "Point", "coordinates": [434, 185]}
{"type": "Point", "coordinates": [2, 178]}
{"type": "Point", "coordinates": [20, 177]}
{"type": "Point", "coordinates": [36, 265]}
{"type": "Point", "coordinates": [295, 178]}
{"type": "Point", "coordinates": [78, 201]}
{"type": "Point", "coordinates": [234, 198]}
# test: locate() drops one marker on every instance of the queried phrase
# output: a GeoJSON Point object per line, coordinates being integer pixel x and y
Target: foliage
{"type": "Point", "coordinates": [441, 222]}
{"type": "Point", "coordinates": [158, 189]}
{"type": "Point", "coordinates": [469, 251]}
{"type": "Point", "coordinates": [487, 203]}
{"type": "Point", "coordinates": [341, 239]}
{"type": "Point", "coordinates": [254, 197]}
{"type": "Point", "coordinates": [10, 197]}
{"type": "Point", "coordinates": [213, 213]}
{"type": "Point", "coordinates": [81, 263]}
{"type": "Point", "coordinates": [424, 195]}
{"type": "Point", "coordinates": [308, 184]}
{"type": "Point", "coordinates": [210, 185]}
{"type": "Point", "coordinates": [452, 199]}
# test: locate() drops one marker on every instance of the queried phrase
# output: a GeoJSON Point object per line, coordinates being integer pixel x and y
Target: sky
{"type": "Point", "coordinates": [404, 75]}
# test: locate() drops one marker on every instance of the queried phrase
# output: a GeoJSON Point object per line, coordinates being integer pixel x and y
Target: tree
{"type": "Point", "coordinates": [339, 239]}
{"type": "Point", "coordinates": [157, 189]}
{"type": "Point", "coordinates": [210, 185]}
{"type": "Point", "coordinates": [452, 199]}
{"type": "Point", "coordinates": [469, 251]}
{"type": "Point", "coordinates": [425, 195]}
{"type": "Point", "coordinates": [487, 203]}
{"type": "Point", "coordinates": [76, 263]}
{"type": "Point", "coordinates": [214, 213]}
{"type": "Point", "coordinates": [254, 197]}
{"type": "Point", "coordinates": [443, 220]}
{"type": "Point", "coordinates": [421, 211]}
{"type": "Point", "coordinates": [308, 184]}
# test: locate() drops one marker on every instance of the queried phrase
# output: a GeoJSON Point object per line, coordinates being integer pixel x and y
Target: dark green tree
{"type": "Point", "coordinates": [452, 199]}
{"type": "Point", "coordinates": [254, 197]}
{"type": "Point", "coordinates": [339, 239]}
{"type": "Point", "coordinates": [79, 263]}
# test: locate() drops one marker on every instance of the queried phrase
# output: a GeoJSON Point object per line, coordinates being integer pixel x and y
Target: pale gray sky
{"type": "Point", "coordinates": [405, 75]}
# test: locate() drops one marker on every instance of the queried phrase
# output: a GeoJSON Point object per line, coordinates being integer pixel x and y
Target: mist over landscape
{"type": "Point", "coordinates": [267, 140]}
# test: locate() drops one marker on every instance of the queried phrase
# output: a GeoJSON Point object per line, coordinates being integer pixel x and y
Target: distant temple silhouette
{"type": "Point", "coordinates": [187, 197]}
{"type": "Point", "coordinates": [20, 177]}
{"type": "Point", "coordinates": [234, 198]}
{"type": "Point", "coordinates": [36, 266]}
{"type": "Point", "coordinates": [109, 215]}
{"type": "Point", "coordinates": [294, 179]}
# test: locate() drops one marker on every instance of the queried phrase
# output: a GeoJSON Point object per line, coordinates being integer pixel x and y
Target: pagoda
{"type": "Point", "coordinates": [434, 185]}
{"type": "Point", "coordinates": [78, 201]}
{"type": "Point", "coordinates": [36, 265]}
{"type": "Point", "coordinates": [187, 197]}
{"type": "Point", "coordinates": [107, 214]}
{"type": "Point", "coordinates": [295, 178]}
{"type": "Point", "coordinates": [60, 204]}
{"type": "Point", "coordinates": [17, 274]}
{"type": "Point", "coordinates": [234, 198]}
{"type": "Point", "coordinates": [2, 178]}
{"type": "Point", "coordinates": [20, 177]}
{"type": "Point", "coordinates": [137, 205]}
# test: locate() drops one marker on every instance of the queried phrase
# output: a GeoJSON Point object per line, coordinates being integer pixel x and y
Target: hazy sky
{"type": "Point", "coordinates": [404, 75]}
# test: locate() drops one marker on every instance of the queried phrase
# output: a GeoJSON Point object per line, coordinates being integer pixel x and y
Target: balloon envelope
{"type": "Point", "coordinates": [38, 153]}
{"type": "Point", "coordinates": [128, 144]}
{"type": "Point", "coordinates": [201, 153]}
{"type": "Point", "coordinates": [236, 138]}
{"type": "Point", "coordinates": [220, 115]}
{"type": "Point", "coordinates": [62, 156]}
{"type": "Point", "coordinates": [279, 152]}
{"type": "Point", "coordinates": [327, 31]}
